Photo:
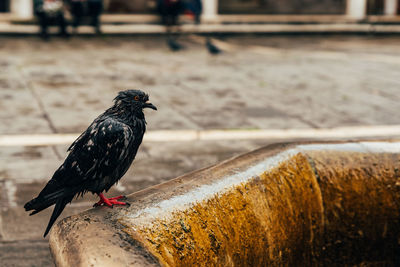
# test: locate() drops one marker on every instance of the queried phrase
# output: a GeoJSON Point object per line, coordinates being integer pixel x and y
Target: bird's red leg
{"type": "Point", "coordinates": [109, 201]}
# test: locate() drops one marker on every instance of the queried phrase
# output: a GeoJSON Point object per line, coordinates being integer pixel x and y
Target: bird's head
{"type": "Point", "coordinates": [133, 101]}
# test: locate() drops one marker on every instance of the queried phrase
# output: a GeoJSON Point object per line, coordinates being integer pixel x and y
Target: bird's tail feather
{"type": "Point", "coordinates": [60, 205]}
{"type": "Point", "coordinates": [47, 197]}
{"type": "Point", "coordinates": [43, 201]}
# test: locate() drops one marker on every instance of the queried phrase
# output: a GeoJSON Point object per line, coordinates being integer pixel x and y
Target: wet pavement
{"type": "Point", "coordinates": [257, 83]}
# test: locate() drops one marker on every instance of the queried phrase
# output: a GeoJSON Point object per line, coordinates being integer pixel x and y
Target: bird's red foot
{"type": "Point", "coordinates": [110, 201]}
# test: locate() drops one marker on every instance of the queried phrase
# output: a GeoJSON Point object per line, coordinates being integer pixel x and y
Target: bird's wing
{"type": "Point", "coordinates": [79, 139]}
{"type": "Point", "coordinates": [99, 152]}
{"type": "Point", "coordinates": [82, 138]}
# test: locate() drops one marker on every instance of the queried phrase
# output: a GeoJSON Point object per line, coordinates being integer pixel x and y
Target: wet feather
{"type": "Point", "coordinates": [99, 157]}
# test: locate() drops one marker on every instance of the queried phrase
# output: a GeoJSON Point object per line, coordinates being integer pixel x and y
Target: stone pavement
{"type": "Point", "coordinates": [257, 83]}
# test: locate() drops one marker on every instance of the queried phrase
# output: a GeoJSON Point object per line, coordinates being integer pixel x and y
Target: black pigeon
{"type": "Point", "coordinates": [212, 48]}
{"type": "Point", "coordinates": [174, 45]}
{"type": "Point", "coordinates": [99, 157]}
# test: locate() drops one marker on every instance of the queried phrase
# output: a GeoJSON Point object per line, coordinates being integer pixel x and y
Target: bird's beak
{"type": "Point", "coordinates": [149, 105]}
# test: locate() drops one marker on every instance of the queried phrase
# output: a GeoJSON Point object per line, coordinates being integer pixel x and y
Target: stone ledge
{"type": "Point", "coordinates": [237, 28]}
{"type": "Point", "coordinates": [285, 204]}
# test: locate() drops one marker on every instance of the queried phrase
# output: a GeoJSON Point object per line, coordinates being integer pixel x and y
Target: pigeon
{"type": "Point", "coordinates": [99, 157]}
{"type": "Point", "coordinates": [212, 49]}
{"type": "Point", "coordinates": [174, 45]}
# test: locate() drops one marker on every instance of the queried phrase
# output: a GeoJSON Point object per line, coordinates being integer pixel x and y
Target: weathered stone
{"type": "Point", "coordinates": [290, 204]}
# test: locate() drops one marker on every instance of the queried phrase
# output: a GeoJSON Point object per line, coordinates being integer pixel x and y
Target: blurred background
{"type": "Point", "coordinates": [228, 76]}
{"type": "Point", "coordinates": [324, 7]}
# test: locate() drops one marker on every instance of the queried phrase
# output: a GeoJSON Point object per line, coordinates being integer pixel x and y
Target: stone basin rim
{"type": "Point", "coordinates": [206, 191]}
{"type": "Point", "coordinates": [160, 201]}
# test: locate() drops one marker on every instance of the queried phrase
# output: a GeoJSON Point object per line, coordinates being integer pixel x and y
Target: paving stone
{"type": "Point", "coordinates": [25, 253]}
{"type": "Point", "coordinates": [27, 163]}
{"type": "Point", "coordinates": [265, 82]}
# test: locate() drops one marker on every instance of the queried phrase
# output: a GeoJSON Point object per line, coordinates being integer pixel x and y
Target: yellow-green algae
{"type": "Point", "coordinates": [314, 208]}
{"type": "Point", "coordinates": [254, 224]}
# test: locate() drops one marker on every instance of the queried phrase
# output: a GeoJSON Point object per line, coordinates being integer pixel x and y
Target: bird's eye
{"type": "Point", "coordinates": [136, 98]}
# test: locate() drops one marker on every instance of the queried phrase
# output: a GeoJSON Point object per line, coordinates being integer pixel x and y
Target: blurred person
{"type": "Point", "coordinates": [49, 12]}
{"type": "Point", "coordinates": [95, 8]}
{"type": "Point", "coordinates": [91, 8]}
{"type": "Point", "coordinates": [169, 10]}
{"type": "Point", "coordinates": [194, 9]}
{"type": "Point", "coordinates": [77, 10]}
